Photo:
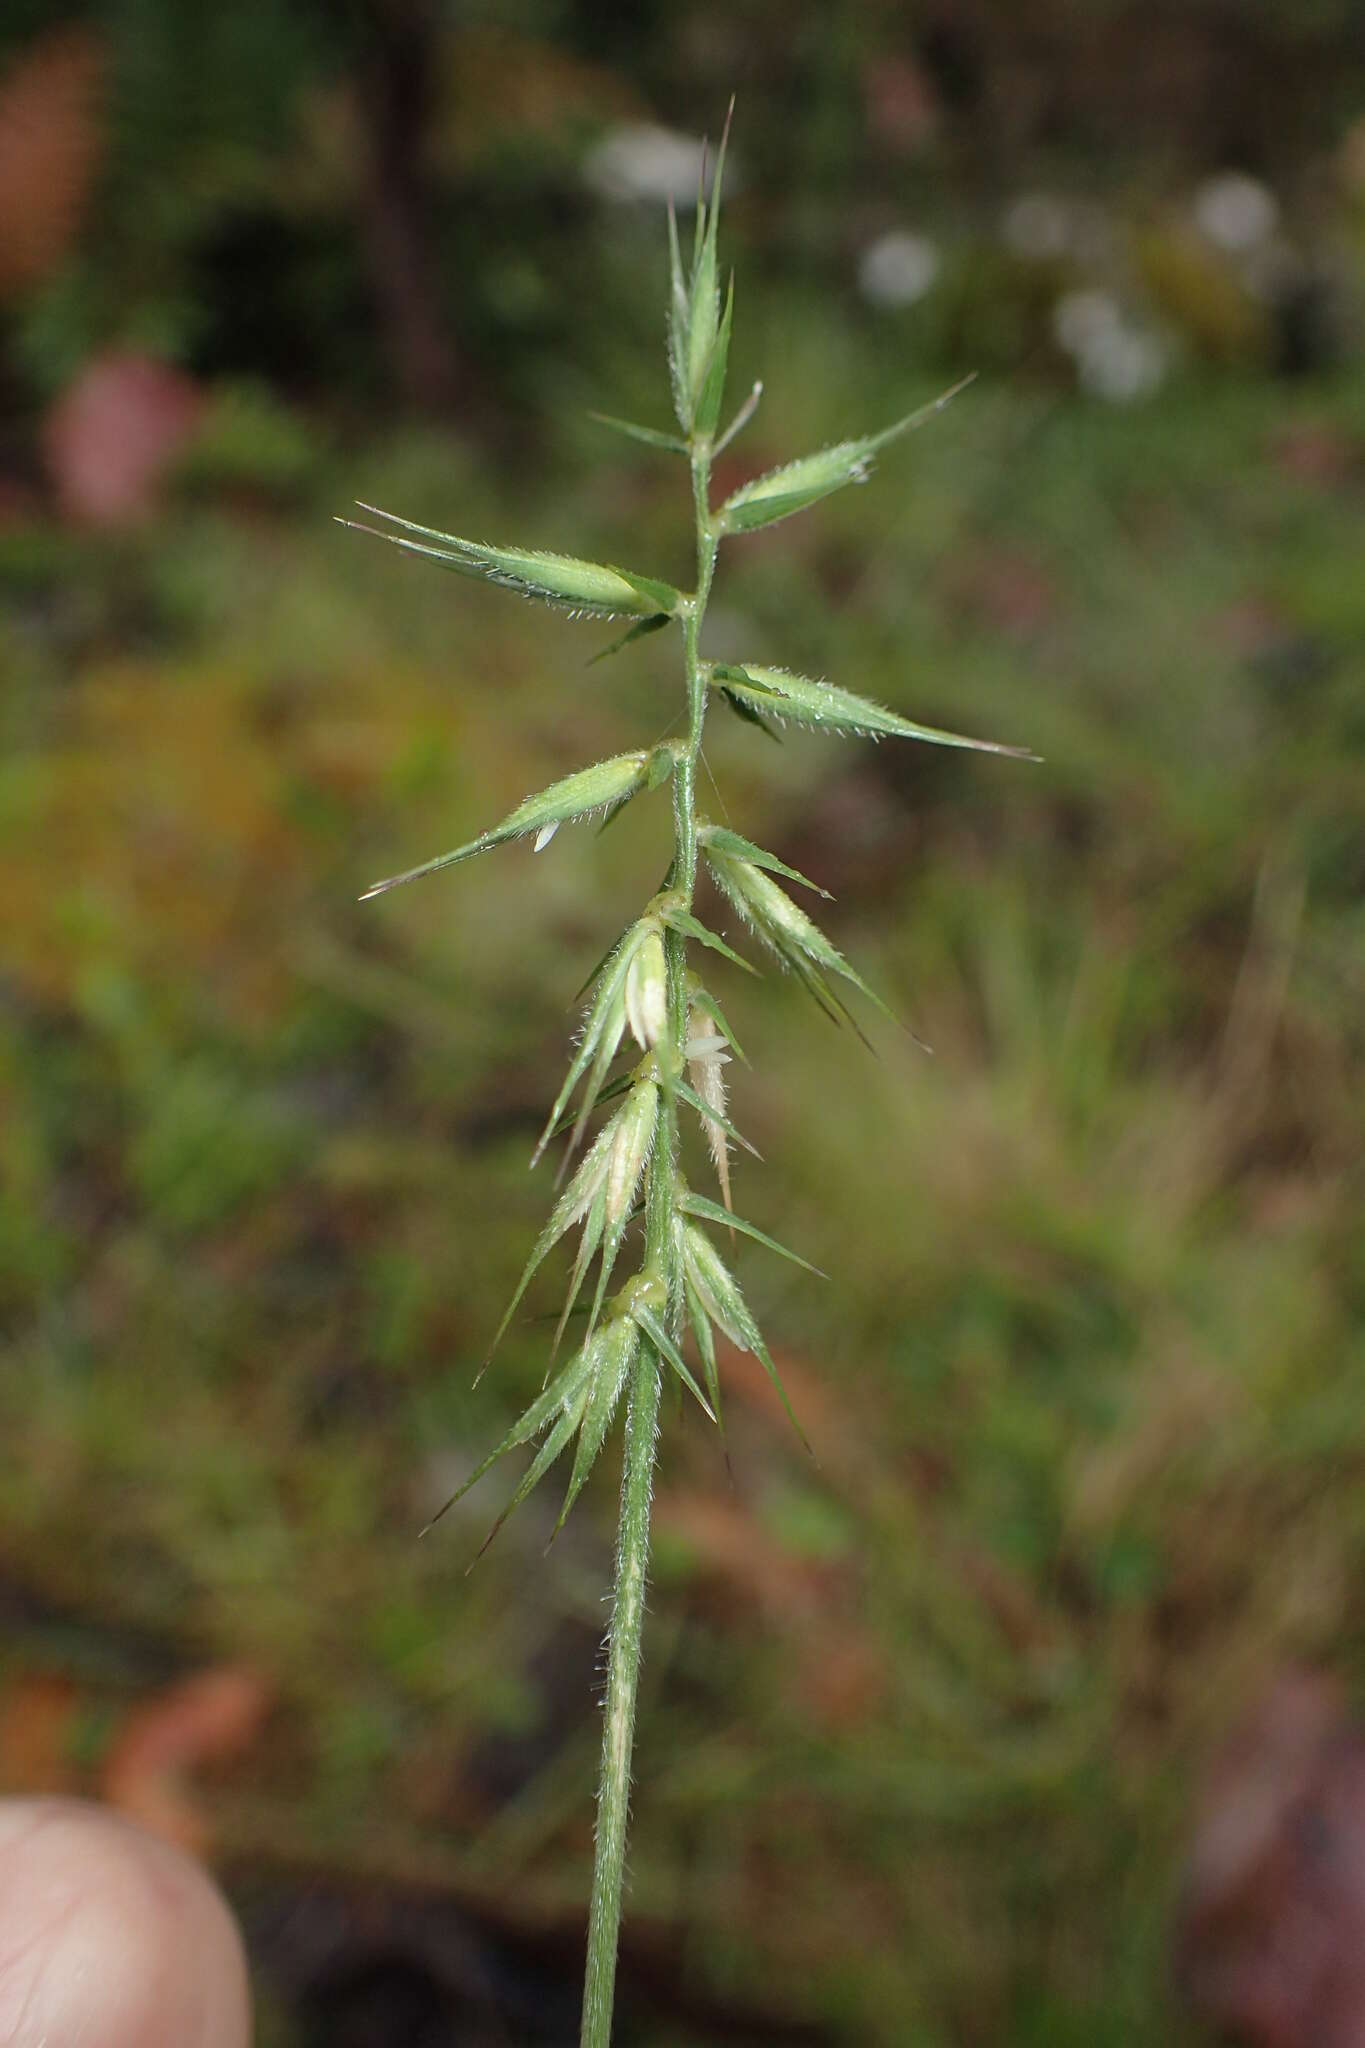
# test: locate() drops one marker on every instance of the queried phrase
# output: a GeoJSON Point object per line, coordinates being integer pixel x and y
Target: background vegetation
{"type": "Point", "coordinates": [922, 1728]}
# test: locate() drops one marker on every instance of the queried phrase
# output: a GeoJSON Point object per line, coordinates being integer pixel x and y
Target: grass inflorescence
{"type": "Point", "coordinates": [655, 1042]}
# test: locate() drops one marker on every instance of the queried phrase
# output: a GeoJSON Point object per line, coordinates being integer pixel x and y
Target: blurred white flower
{"type": "Point", "coordinates": [1037, 226]}
{"type": "Point", "coordinates": [898, 269]}
{"type": "Point", "coordinates": [1122, 366]}
{"type": "Point", "coordinates": [1082, 318]}
{"type": "Point", "coordinates": [1235, 212]}
{"type": "Point", "coordinates": [1114, 360]}
{"type": "Point", "coordinates": [641, 161]}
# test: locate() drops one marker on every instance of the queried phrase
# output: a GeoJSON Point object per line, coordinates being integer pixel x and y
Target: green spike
{"type": "Point", "coordinates": [677, 326]}
{"type": "Point", "coordinates": [601, 1030]}
{"type": "Point", "coordinates": [720, 1295]}
{"type": "Point", "coordinates": [597, 1090]}
{"type": "Point", "coordinates": [699, 1205]}
{"type": "Point", "coordinates": [745, 709]}
{"type": "Point", "coordinates": [741, 418]}
{"type": "Point", "coordinates": [792, 935]}
{"type": "Point", "coordinates": [574, 1203]}
{"type": "Point", "coordinates": [650, 437]}
{"type": "Point", "coordinates": [592, 588]}
{"type": "Point", "coordinates": [593, 1224]}
{"type": "Point", "coordinates": [725, 841]}
{"type": "Point", "coordinates": [690, 927]}
{"type": "Point", "coordinates": [638, 631]}
{"type": "Point", "coordinates": [542, 1410]}
{"type": "Point", "coordinates": [635, 1125]}
{"type": "Point", "coordinates": [669, 1352]}
{"type": "Point", "coordinates": [799, 700]}
{"type": "Point", "coordinates": [616, 1354]}
{"type": "Point", "coordinates": [703, 309]}
{"type": "Point", "coordinates": [574, 796]}
{"type": "Point", "coordinates": [795, 485]}
{"type": "Point", "coordinates": [704, 1000]}
{"type": "Point", "coordinates": [712, 1116]}
{"type": "Point", "coordinates": [706, 1348]}
{"type": "Point", "coordinates": [712, 392]}
{"type": "Point", "coordinates": [551, 1449]}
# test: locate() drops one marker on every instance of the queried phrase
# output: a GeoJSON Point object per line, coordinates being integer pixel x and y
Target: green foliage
{"type": "Point", "coordinates": [249, 440]}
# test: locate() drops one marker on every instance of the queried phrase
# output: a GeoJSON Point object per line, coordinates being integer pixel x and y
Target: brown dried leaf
{"type": "Point", "coordinates": [36, 1713]}
{"type": "Point", "coordinates": [209, 1718]}
{"type": "Point", "coordinates": [50, 141]}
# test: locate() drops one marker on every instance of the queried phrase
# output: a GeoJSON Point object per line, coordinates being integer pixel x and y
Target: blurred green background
{"type": "Point", "coordinates": [924, 1729]}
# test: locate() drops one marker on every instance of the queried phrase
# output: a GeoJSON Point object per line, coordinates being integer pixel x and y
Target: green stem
{"type": "Point", "coordinates": [642, 1414]}
{"type": "Point", "coordinates": [618, 1733]}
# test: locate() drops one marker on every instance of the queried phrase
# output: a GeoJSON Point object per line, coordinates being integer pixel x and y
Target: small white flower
{"type": "Point", "coordinates": [1235, 212]}
{"type": "Point", "coordinates": [898, 269]}
{"type": "Point", "coordinates": [1114, 360]}
{"type": "Point", "coordinates": [1123, 366]}
{"type": "Point", "coordinates": [643, 161]}
{"type": "Point", "coordinates": [1080, 319]}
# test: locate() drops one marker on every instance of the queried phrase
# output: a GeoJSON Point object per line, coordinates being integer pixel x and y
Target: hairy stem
{"type": "Point", "coordinates": [618, 1734]}
{"type": "Point", "coordinates": [632, 1550]}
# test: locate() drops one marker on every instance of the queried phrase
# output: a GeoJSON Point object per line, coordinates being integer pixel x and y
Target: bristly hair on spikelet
{"type": "Point", "coordinates": [649, 1013]}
